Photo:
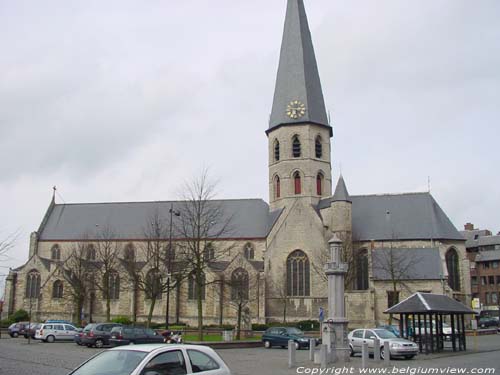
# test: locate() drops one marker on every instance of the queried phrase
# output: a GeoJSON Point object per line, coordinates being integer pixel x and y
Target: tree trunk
{"type": "Point", "coordinates": [284, 310]}
{"type": "Point", "coordinates": [200, 314]}
{"type": "Point", "coordinates": [108, 308]}
{"type": "Point", "coordinates": [134, 303]}
{"type": "Point", "coordinates": [238, 324]}
{"type": "Point", "coordinates": [151, 309]}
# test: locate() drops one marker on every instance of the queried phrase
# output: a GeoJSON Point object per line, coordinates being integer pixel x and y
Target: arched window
{"type": "Point", "coordinates": [91, 253]}
{"type": "Point", "coordinates": [276, 150]}
{"type": "Point", "coordinates": [239, 285]}
{"type": "Point", "coordinates": [297, 183]}
{"type": "Point", "coordinates": [193, 287]}
{"type": "Point", "coordinates": [114, 285]}
{"type": "Point", "coordinates": [55, 252]}
{"type": "Point", "coordinates": [319, 184]}
{"type": "Point", "coordinates": [453, 269]}
{"type": "Point", "coordinates": [57, 289]}
{"type": "Point", "coordinates": [296, 146]}
{"type": "Point", "coordinates": [33, 283]}
{"type": "Point", "coordinates": [209, 252]}
{"type": "Point", "coordinates": [277, 187]}
{"type": "Point", "coordinates": [297, 274]}
{"type": "Point", "coordinates": [153, 284]}
{"type": "Point", "coordinates": [361, 264]}
{"type": "Point", "coordinates": [318, 147]}
{"type": "Point", "coordinates": [248, 251]}
{"type": "Point", "coordinates": [129, 252]}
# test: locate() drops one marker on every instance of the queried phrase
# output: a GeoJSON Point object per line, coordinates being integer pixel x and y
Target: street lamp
{"type": "Point", "coordinates": [170, 253]}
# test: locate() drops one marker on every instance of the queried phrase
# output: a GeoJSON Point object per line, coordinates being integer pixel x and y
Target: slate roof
{"type": "Point", "coordinates": [398, 216]}
{"type": "Point", "coordinates": [485, 256]}
{"type": "Point", "coordinates": [298, 77]}
{"type": "Point", "coordinates": [417, 263]}
{"type": "Point", "coordinates": [428, 302]}
{"type": "Point", "coordinates": [482, 241]}
{"type": "Point", "coordinates": [250, 219]}
{"type": "Point", "coordinates": [341, 193]}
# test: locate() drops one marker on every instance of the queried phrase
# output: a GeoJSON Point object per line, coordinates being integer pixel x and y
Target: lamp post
{"type": "Point", "coordinates": [169, 264]}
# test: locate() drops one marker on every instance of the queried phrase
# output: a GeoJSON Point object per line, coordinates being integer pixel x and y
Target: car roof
{"type": "Point", "coordinates": [152, 347]}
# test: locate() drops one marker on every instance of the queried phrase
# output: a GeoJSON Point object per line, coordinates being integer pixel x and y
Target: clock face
{"type": "Point", "coordinates": [295, 109]}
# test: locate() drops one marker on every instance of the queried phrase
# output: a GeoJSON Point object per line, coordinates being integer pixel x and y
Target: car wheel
{"type": "Point", "coordinates": [15, 334]}
{"type": "Point", "coordinates": [382, 353]}
{"type": "Point", "coordinates": [351, 350]}
{"type": "Point", "coordinates": [409, 356]}
{"type": "Point", "coordinates": [50, 339]}
{"type": "Point", "coordinates": [267, 344]}
{"type": "Point", "coordinates": [297, 345]}
{"type": "Point", "coordinates": [99, 343]}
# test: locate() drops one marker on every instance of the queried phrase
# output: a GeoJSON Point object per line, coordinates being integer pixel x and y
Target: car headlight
{"type": "Point", "coordinates": [395, 345]}
{"type": "Point", "coordinates": [303, 340]}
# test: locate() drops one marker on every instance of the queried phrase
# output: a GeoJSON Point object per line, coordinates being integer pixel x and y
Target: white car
{"type": "Point", "coordinates": [398, 347]}
{"type": "Point", "coordinates": [154, 359]}
{"type": "Point", "coordinates": [50, 332]}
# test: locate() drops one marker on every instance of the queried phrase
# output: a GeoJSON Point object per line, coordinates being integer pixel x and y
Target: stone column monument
{"type": "Point", "coordinates": [334, 330]}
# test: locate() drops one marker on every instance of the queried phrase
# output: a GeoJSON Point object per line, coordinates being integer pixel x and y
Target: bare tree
{"type": "Point", "coordinates": [282, 295]}
{"type": "Point", "coordinates": [201, 223]}
{"type": "Point", "coordinates": [133, 275]}
{"type": "Point", "coordinates": [105, 267]}
{"type": "Point", "coordinates": [77, 271]}
{"type": "Point", "coordinates": [6, 244]}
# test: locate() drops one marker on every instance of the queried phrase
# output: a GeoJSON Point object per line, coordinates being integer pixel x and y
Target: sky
{"type": "Point", "coordinates": [126, 100]}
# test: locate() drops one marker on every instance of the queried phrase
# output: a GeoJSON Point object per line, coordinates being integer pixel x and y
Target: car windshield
{"type": "Point", "coordinates": [113, 362]}
{"type": "Point", "coordinates": [384, 334]}
{"type": "Point", "coordinates": [295, 331]}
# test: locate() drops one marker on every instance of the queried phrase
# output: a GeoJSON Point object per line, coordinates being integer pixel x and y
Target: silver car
{"type": "Point", "coordinates": [50, 332]}
{"type": "Point", "coordinates": [154, 359]}
{"type": "Point", "coordinates": [399, 347]}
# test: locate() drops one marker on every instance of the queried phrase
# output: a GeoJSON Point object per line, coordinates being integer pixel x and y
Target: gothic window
{"type": "Point", "coordinates": [153, 284]}
{"type": "Point", "coordinates": [361, 264]}
{"type": "Point", "coordinates": [453, 269]}
{"type": "Point", "coordinates": [297, 183]}
{"type": "Point", "coordinates": [33, 283]}
{"type": "Point", "coordinates": [297, 274]}
{"type": "Point", "coordinates": [114, 285]}
{"type": "Point", "coordinates": [248, 251]}
{"type": "Point", "coordinates": [239, 285]}
{"type": "Point", "coordinates": [296, 147]}
{"type": "Point", "coordinates": [276, 150]}
{"type": "Point", "coordinates": [318, 147]}
{"type": "Point", "coordinates": [209, 252]}
{"type": "Point", "coordinates": [55, 252]}
{"type": "Point", "coordinates": [193, 287]}
{"type": "Point", "coordinates": [129, 252]}
{"type": "Point", "coordinates": [91, 253]}
{"type": "Point", "coordinates": [277, 187]}
{"type": "Point", "coordinates": [57, 289]}
{"type": "Point", "coordinates": [319, 184]}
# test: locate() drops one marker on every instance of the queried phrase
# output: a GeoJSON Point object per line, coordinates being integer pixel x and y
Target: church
{"type": "Point", "coordinates": [394, 244]}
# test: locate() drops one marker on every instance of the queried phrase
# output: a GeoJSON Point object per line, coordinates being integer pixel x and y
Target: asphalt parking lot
{"type": "Point", "coordinates": [19, 358]}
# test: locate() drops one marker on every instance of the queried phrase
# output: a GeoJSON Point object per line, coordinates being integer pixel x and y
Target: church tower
{"type": "Point", "coordinates": [299, 131]}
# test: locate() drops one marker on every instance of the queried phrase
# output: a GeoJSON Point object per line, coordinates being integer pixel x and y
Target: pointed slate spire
{"type": "Point", "coordinates": [298, 77]}
{"type": "Point", "coordinates": [341, 193]}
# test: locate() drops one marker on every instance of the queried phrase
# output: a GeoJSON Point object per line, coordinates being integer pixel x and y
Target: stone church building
{"type": "Point", "coordinates": [395, 244]}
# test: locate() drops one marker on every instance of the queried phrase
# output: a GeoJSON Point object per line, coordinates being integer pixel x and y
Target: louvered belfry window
{"type": "Point", "coordinates": [297, 274]}
{"type": "Point", "coordinates": [276, 150]}
{"type": "Point", "coordinates": [277, 187]}
{"type": "Point", "coordinates": [318, 147]}
{"type": "Point", "coordinates": [296, 147]}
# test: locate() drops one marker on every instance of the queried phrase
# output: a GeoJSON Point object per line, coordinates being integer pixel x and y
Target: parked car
{"type": "Point", "coordinates": [486, 322]}
{"type": "Point", "coordinates": [52, 332]}
{"type": "Point", "coordinates": [58, 321]}
{"type": "Point", "coordinates": [398, 347]}
{"type": "Point", "coordinates": [77, 338]}
{"type": "Point", "coordinates": [155, 360]}
{"type": "Point", "coordinates": [279, 336]}
{"type": "Point", "coordinates": [31, 330]}
{"type": "Point", "coordinates": [97, 334]}
{"type": "Point", "coordinates": [125, 335]}
{"type": "Point", "coordinates": [16, 329]}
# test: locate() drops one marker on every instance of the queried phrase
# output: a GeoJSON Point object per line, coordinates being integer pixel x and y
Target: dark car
{"type": "Point", "coordinates": [126, 335]}
{"type": "Point", "coordinates": [30, 331]}
{"type": "Point", "coordinates": [486, 322]}
{"type": "Point", "coordinates": [97, 334]}
{"type": "Point", "coordinates": [16, 329]}
{"type": "Point", "coordinates": [279, 336]}
{"type": "Point", "coordinates": [77, 338]}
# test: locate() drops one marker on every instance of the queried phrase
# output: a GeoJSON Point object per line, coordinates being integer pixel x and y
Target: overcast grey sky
{"type": "Point", "coordinates": [123, 100]}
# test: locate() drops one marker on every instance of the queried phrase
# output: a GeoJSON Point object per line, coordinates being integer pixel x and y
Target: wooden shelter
{"type": "Point", "coordinates": [421, 319]}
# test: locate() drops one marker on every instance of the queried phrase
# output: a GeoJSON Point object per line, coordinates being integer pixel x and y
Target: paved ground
{"type": "Point", "coordinates": [19, 358]}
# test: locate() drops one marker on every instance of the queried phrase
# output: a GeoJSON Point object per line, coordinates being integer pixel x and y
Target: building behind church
{"type": "Point", "coordinates": [395, 244]}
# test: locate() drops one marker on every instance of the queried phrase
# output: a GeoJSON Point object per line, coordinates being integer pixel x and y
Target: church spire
{"type": "Point", "coordinates": [298, 97]}
{"type": "Point", "coordinates": [341, 193]}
